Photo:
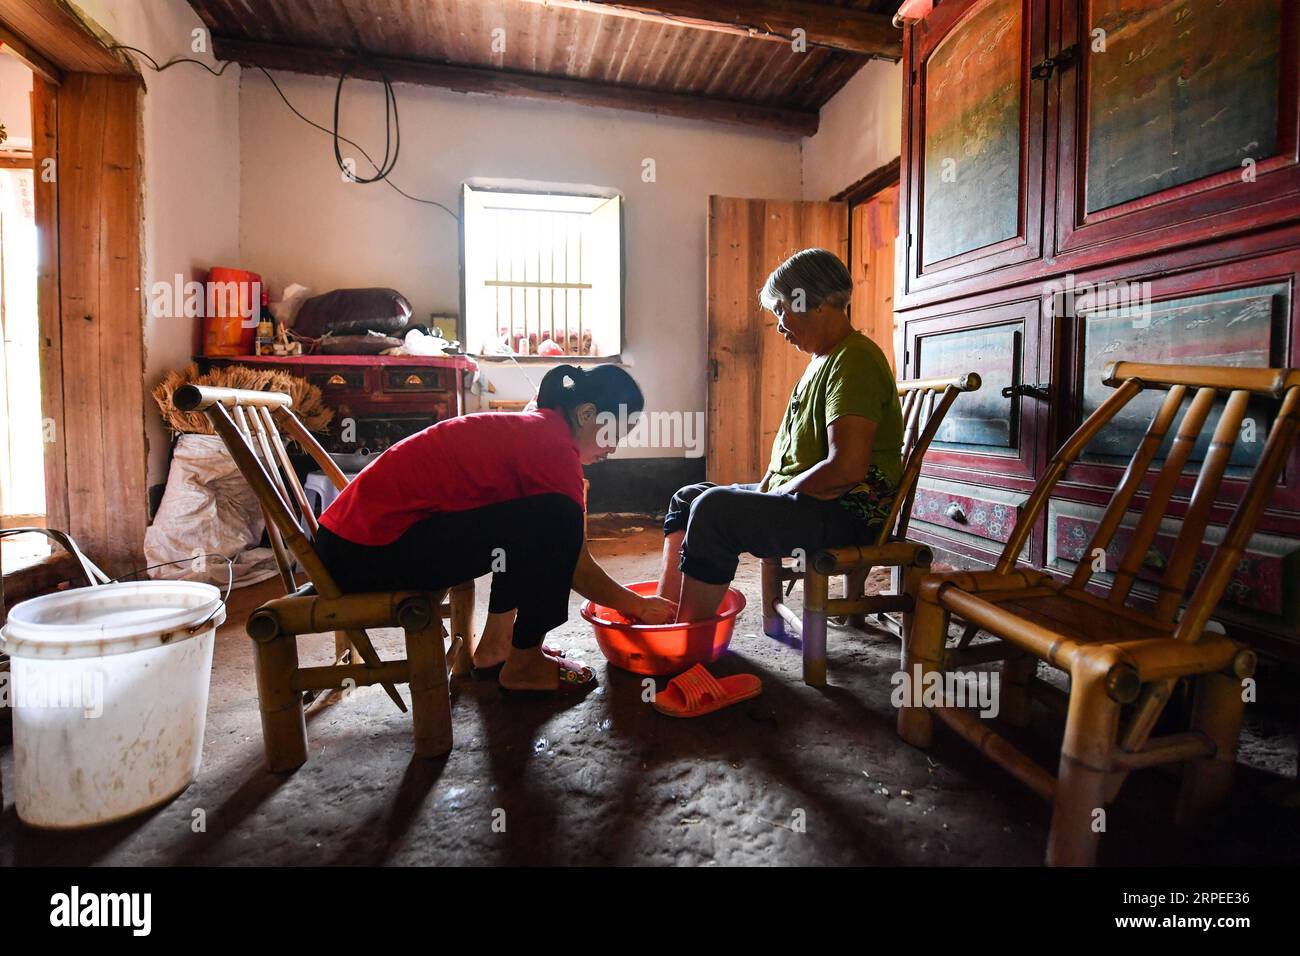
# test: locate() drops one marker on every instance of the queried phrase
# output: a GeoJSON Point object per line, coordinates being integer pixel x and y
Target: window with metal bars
{"type": "Point", "coordinates": [543, 273]}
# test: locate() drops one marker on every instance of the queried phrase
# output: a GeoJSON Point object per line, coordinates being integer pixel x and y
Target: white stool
{"type": "Point", "coordinates": [320, 491]}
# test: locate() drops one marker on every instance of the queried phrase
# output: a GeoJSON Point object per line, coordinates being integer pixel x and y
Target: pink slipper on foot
{"type": "Point", "coordinates": [697, 692]}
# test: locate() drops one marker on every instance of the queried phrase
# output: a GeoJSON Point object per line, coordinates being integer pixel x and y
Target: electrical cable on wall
{"type": "Point", "coordinates": [392, 127]}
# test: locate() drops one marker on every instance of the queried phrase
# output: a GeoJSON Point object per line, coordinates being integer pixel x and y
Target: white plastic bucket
{"type": "Point", "coordinates": [109, 686]}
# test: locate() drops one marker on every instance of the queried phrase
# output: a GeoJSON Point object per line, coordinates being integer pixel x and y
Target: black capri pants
{"type": "Point", "coordinates": [723, 522]}
{"type": "Point", "coordinates": [530, 545]}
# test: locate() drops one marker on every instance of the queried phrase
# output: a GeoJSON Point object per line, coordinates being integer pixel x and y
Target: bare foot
{"type": "Point", "coordinates": [494, 646]}
{"type": "Point", "coordinates": [533, 670]}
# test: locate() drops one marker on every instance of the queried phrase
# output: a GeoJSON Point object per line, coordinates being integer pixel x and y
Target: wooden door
{"type": "Point", "coordinates": [94, 347]}
{"type": "Point", "coordinates": [875, 233]}
{"type": "Point", "coordinates": [751, 369]}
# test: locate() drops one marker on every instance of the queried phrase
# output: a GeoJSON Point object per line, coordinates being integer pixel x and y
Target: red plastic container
{"type": "Point", "coordinates": [662, 649]}
{"type": "Point", "coordinates": [236, 296]}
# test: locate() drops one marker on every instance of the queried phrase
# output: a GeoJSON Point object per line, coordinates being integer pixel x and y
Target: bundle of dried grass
{"type": "Point", "coordinates": [307, 404]}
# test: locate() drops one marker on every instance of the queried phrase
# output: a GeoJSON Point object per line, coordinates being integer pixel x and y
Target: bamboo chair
{"type": "Point", "coordinates": [247, 422]}
{"type": "Point", "coordinates": [925, 404]}
{"type": "Point", "coordinates": [1123, 660]}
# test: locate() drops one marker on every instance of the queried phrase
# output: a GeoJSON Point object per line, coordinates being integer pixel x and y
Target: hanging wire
{"type": "Point", "coordinates": [392, 130]}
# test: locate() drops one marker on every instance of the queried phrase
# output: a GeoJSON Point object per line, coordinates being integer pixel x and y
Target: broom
{"type": "Point", "coordinates": [307, 404]}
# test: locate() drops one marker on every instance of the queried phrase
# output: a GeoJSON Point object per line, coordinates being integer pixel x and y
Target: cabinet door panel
{"type": "Point", "coordinates": [983, 420]}
{"type": "Point", "coordinates": [973, 101]}
{"type": "Point", "coordinates": [1183, 90]}
{"type": "Point", "coordinates": [1245, 328]}
{"type": "Point", "coordinates": [1178, 120]}
{"type": "Point", "coordinates": [1235, 315]}
{"type": "Point", "coordinates": [985, 431]}
{"type": "Point", "coordinates": [975, 129]}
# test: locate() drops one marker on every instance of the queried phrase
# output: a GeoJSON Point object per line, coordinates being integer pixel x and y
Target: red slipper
{"type": "Point", "coordinates": [697, 692]}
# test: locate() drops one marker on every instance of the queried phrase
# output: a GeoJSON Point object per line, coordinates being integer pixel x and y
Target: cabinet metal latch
{"type": "Point", "coordinates": [1040, 391]}
{"type": "Point", "coordinates": [1044, 70]}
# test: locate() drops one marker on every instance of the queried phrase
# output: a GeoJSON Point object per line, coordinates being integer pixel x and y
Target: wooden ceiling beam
{"type": "Point", "coordinates": [839, 28]}
{"type": "Point", "coordinates": [469, 79]}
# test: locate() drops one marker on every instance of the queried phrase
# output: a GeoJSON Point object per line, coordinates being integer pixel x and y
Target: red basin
{"type": "Point", "coordinates": [662, 649]}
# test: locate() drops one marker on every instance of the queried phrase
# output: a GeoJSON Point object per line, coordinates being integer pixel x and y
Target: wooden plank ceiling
{"type": "Point", "coordinates": [727, 61]}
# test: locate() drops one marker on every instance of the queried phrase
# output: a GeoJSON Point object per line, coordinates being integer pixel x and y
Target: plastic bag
{"type": "Point", "coordinates": [286, 310]}
{"type": "Point", "coordinates": [353, 312]}
{"type": "Point", "coordinates": [208, 508]}
{"type": "Point", "coordinates": [417, 343]}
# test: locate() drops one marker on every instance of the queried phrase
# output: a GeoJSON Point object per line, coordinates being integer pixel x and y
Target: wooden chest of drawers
{"type": "Point", "coordinates": [377, 399]}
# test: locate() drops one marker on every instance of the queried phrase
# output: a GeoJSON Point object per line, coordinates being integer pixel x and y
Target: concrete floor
{"type": "Point", "coordinates": [797, 776]}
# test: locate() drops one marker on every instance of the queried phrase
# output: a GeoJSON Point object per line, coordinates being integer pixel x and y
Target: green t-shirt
{"type": "Point", "coordinates": [854, 379]}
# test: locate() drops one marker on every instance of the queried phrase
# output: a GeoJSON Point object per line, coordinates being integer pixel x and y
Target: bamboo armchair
{"type": "Point", "coordinates": [1124, 652]}
{"type": "Point", "coordinates": [925, 404]}
{"type": "Point", "coordinates": [247, 422]}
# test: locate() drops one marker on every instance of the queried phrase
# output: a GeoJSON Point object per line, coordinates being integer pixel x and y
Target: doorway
{"type": "Point", "coordinates": [22, 453]}
{"type": "Point", "coordinates": [751, 370]}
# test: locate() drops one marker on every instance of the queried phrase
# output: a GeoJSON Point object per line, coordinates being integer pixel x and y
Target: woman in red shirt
{"type": "Point", "coordinates": [497, 492]}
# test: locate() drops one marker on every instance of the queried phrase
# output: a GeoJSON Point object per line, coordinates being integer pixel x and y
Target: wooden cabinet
{"type": "Point", "coordinates": [1125, 183]}
{"type": "Point", "coordinates": [377, 399]}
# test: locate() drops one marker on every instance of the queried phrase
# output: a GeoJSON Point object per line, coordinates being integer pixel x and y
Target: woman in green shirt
{"type": "Point", "coordinates": [835, 462]}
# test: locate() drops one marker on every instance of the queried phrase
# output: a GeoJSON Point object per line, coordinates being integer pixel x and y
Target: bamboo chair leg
{"type": "Point", "coordinates": [773, 626]}
{"type": "Point", "coordinates": [462, 625]}
{"type": "Point", "coordinates": [1217, 712]}
{"type": "Point", "coordinates": [341, 646]}
{"type": "Point", "coordinates": [430, 695]}
{"type": "Point", "coordinates": [284, 730]}
{"type": "Point", "coordinates": [923, 652]}
{"type": "Point", "coordinates": [1086, 765]}
{"type": "Point", "coordinates": [816, 588]}
{"type": "Point", "coordinates": [906, 581]}
{"type": "Point", "coordinates": [855, 585]}
{"type": "Point", "coordinates": [1017, 676]}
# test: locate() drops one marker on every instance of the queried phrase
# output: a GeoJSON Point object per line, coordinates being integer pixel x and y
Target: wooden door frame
{"type": "Point", "coordinates": [86, 133]}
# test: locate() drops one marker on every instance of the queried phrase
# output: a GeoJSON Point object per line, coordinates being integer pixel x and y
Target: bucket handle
{"type": "Point", "coordinates": [230, 582]}
{"type": "Point", "coordinates": [96, 577]}
{"type": "Point", "coordinates": [93, 574]}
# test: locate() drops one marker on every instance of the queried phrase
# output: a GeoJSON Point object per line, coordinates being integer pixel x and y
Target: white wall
{"type": "Point", "coordinates": [233, 178]}
{"type": "Point", "coordinates": [861, 130]}
{"type": "Point", "coordinates": [299, 222]}
{"type": "Point", "coordinates": [191, 176]}
{"type": "Point", "coordinates": [15, 102]}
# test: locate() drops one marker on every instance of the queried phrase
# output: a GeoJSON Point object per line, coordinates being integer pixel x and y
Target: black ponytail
{"type": "Point", "coordinates": [611, 389]}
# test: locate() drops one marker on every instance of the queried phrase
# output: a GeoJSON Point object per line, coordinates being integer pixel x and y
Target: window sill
{"type": "Point", "coordinates": [554, 359]}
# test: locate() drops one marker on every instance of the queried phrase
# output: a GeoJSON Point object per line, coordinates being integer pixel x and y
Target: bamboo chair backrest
{"type": "Point", "coordinates": [246, 420]}
{"type": "Point", "coordinates": [925, 404]}
{"type": "Point", "coordinates": [1204, 385]}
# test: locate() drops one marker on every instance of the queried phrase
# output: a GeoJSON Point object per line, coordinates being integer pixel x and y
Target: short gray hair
{"type": "Point", "coordinates": [819, 273]}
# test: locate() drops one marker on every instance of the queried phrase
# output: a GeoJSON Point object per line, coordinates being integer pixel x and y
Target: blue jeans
{"type": "Point", "coordinates": [723, 522]}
